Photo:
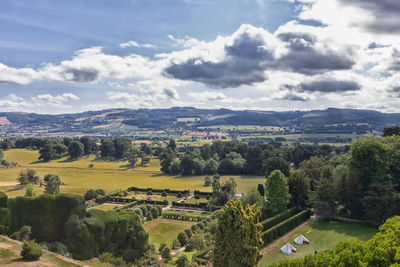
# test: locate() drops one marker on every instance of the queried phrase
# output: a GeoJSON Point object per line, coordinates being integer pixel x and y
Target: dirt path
{"type": "Point", "coordinates": [47, 252]}
{"type": "Point", "coordinates": [284, 239]}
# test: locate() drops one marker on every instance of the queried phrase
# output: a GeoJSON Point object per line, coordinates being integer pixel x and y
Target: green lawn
{"type": "Point", "coordinates": [106, 206]}
{"type": "Point", "coordinates": [323, 236]}
{"type": "Point", "coordinates": [109, 175]}
{"type": "Point", "coordinates": [165, 231]}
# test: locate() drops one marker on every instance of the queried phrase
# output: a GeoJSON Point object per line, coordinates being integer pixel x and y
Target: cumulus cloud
{"type": "Point", "coordinates": [13, 101]}
{"type": "Point", "coordinates": [57, 100]}
{"type": "Point", "coordinates": [171, 93]}
{"type": "Point", "coordinates": [135, 44]}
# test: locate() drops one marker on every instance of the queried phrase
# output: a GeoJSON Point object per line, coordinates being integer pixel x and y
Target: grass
{"type": "Point", "coordinates": [323, 236]}
{"type": "Point", "coordinates": [193, 213]}
{"type": "Point", "coordinates": [106, 206]}
{"type": "Point", "coordinates": [165, 231]}
{"type": "Point", "coordinates": [108, 175]}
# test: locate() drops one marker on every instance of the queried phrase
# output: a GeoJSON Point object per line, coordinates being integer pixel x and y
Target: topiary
{"type": "Point", "coordinates": [154, 212]}
{"type": "Point", "coordinates": [188, 232]}
{"type": "Point", "coordinates": [159, 208]}
{"type": "Point", "coordinates": [31, 251]}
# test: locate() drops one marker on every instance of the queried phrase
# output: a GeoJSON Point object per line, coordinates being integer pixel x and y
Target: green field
{"type": "Point", "coordinates": [322, 236]}
{"type": "Point", "coordinates": [165, 231]}
{"type": "Point", "coordinates": [108, 175]}
{"type": "Point", "coordinates": [244, 128]}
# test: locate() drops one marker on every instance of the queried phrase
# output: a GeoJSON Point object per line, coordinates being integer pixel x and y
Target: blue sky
{"type": "Point", "coordinates": [77, 55]}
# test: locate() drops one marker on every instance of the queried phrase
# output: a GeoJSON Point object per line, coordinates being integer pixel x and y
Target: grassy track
{"type": "Point", "coordinates": [109, 175]}
{"type": "Point", "coordinates": [323, 236]}
{"type": "Point", "coordinates": [165, 231]}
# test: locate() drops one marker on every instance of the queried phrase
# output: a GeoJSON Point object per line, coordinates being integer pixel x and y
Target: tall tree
{"type": "Point", "coordinates": [107, 148]}
{"type": "Point", "coordinates": [28, 177]}
{"type": "Point", "coordinates": [89, 145]}
{"type": "Point", "coordinates": [299, 189]}
{"type": "Point", "coordinates": [132, 156]}
{"type": "Point", "coordinates": [276, 163]}
{"type": "Point", "coordinates": [238, 237]}
{"type": "Point", "coordinates": [277, 192]}
{"type": "Point", "coordinates": [76, 150]}
{"type": "Point", "coordinates": [391, 130]}
{"type": "Point", "coordinates": [52, 184]}
{"type": "Point", "coordinates": [121, 145]}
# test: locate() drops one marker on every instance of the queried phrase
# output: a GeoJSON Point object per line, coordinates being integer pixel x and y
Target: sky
{"type": "Point", "coordinates": [79, 55]}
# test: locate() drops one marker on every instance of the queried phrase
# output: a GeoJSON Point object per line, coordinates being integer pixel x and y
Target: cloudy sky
{"type": "Point", "coordinates": [78, 55]}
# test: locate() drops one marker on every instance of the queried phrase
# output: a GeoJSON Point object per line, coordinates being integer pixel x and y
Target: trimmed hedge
{"type": "Point", "coordinates": [285, 226]}
{"type": "Point", "coordinates": [3, 199]}
{"type": "Point", "coordinates": [270, 222]}
{"type": "Point", "coordinates": [189, 205]}
{"type": "Point", "coordinates": [138, 202]}
{"type": "Point", "coordinates": [183, 217]}
{"type": "Point", "coordinates": [46, 214]}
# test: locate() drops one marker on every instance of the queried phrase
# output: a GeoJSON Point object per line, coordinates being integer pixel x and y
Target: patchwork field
{"type": "Point", "coordinates": [322, 236]}
{"type": "Point", "coordinates": [109, 175]}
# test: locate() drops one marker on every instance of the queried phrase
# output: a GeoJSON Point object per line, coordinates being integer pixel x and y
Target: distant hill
{"type": "Point", "coordinates": [331, 120]}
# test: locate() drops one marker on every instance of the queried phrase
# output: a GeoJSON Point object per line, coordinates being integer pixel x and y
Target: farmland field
{"type": "Point", "coordinates": [108, 175]}
{"type": "Point", "coordinates": [322, 236]}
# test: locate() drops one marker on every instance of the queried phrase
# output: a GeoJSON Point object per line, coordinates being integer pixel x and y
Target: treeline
{"type": "Point", "coordinates": [238, 158]}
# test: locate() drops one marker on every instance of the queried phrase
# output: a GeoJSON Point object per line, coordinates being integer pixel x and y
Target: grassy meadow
{"type": "Point", "coordinates": [322, 236]}
{"type": "Point", "coordinates": [108, 175]}
{"type": "Point", "coordinates": [165, 231]}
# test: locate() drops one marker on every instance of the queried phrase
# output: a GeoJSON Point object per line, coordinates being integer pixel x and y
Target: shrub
{"type": "Point", "coordinates": [154, 212]}
{"type": "Point", "coordinates": [183, 239]}
{"type": "Point", "coordinates": [182, 261]}
{"type": "Point", "coordinates": [159, 208]}
{"type": "Point", "coordinates": [175, 244]}
{"type": "Point", "coordinates": [166, 254]}
{"type": "Point", "coordinates": [139, 212]}
{"type": "Point", "coordinates": [164, 194]}
{"type": "Point", "coordinates": [201, 225]}
{"type": "Point", "coordinates": [162, 246]}
{"type": "Point", "coordinates": [31, 251]}
{"type": "Point", "coordinates": [22, 234]}
{"type": "Point", "coordinates": [197, 196]}
{"type": "Point", "coordinates": [149, 193]}
{"type": "Point", "coordinates": [188, 232]}
{"type": "Point", "coordinates": [149, 217]}
{"type": "Point", "coordinates": [100, 192]}
{"type": "Point", "coordinates": [179, 195]}
{"type": "Point", "coordinates": [90, 194]}
{"type": "Point", "coordinates": [144, 210]}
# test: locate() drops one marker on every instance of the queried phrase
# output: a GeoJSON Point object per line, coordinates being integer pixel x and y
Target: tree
{"type": "Point", "coordinates": [107, 148]}
{"type": "Point", "coordinates": [174, 167]}
{"type": "Point", "coordinates": [369, 158]}
{"type": "Point", "coordinates": [205, 151]}
{"type": "Point", "coordinates": [187, 164]}
{"type": "Point", "coordinates": [166, 254]}
{"type": "Point", "coordinates": [90, 194]}
{"type": "Point", "coordinates": [76, 150]}
{"type": "Point", "coordinates": [211, 166]}
{"type": "Point", "coordinates": [391, 130]}
{"type": "Point", "coordinates": [30, 191]}
{"type": "Point", "coordinates": [261, 189]}
{"type": "Point", "coordinates": [277, 192]}
{"type": "Point", "coordinates": [183, 239]}
{"type": "Point", "coordinates": [198, 166]}
{"type": "Point", "coordinates": [1, 153]}
{"type": "Point", "coordinates": [121, 145]}
{"type": "Point", "coordinates": [166, 157]}
{"type": "Point", "coordinates": [303, 152]}
{"type": "Point", "coordinates": [60, 149]}
{"type": "Point", "coordinates": [324, 199]}
{"type": "Point", "coordinates": [312, 169]}
{"type": "Point", "coordinates": [52, 184]}
{"type": "Point", "coordinates": [207, 181]}
{"type": "Point", "coordinates": [132, 156]}
{"type": "Point", "coordinates": [232, 164]}
{"type": "Point", "coordinates": [182, 261]}
{"type": "Point", "coordinates": [299, 189]}
{"type": "Point", "coordinates": [238, 237]}
{"type": "Point", "coordinates": [252, 197]}
{"type": "Point", "coordinates": [28, 177]}
{"type": "Point", "coordinates": [276, 163]}
{"type": "Point", "coordinates": [89, 145]}
{"type": "Point", "coordinates": [197, 240]}
{"type": "Point", "coordinates": [172, 144]}
{"type": "Point", "coordinates": [47, 153]}
{"type": "Point", "coordinates": [6, 144]}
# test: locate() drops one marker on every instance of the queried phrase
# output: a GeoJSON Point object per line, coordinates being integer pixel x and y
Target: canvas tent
{"type": "Point", "coordinates": [300, 240]}
{"type": "Point", "coordinates": [288, 249]}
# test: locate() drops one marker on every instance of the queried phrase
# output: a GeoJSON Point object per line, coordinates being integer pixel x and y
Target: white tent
{"type": "Point", "coordinates": [288, 249]}
{"type": "Point", "coordinates": [300, 240]}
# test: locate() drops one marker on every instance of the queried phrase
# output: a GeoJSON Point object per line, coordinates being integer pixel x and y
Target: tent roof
{"type": "Point", "coordinates": [287, 249]}
{"type": "Point", "coordinates": [300, 239]}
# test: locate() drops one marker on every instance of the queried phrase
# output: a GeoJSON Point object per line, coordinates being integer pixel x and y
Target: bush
{"type": "Point", "coordinates": [144, 210]}
{"type": "Point", "coordinates": [154, 212]}
{"type": "Point", "coordinates": [183, 239]}
{"type": "Point", "coordinates": [159, 208]}
{"type": "Point", "coordinates": [179, 195]}
{"type": "Point", "coordinates": [90, 194]}
{"type": "Point", "coordinates": [164, 194]}
{"type": "Point", "coordinates": [166, 254]}
{"type": "Point", "coordinates": [31, 251]}
{"type": "Point", "coordinates": [22, 234]}
{"type": "Point", "coordinates": [149, 217]}
{"type": "Point", "coordinates": [201, 225]}
{"type": "Point", "coordinates": [100, 192]}
{"type": "Point", "coordinates": [188, 232]}
{"type": "Point", "coordinates": [139, 212]}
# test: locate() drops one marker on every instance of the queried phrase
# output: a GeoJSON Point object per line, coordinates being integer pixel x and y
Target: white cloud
{"type": "Point", "coordinates": [135, 44]}
{"type": "Point", "coordinates": [57, 100]}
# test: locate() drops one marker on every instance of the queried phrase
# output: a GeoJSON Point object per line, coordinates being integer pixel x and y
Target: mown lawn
{"type": "Point", "coordinates": [108, 175]}
{"type": "Point", "coordinates": [165, 231]}
{"type": "Point", "coordinates": [323, 236]}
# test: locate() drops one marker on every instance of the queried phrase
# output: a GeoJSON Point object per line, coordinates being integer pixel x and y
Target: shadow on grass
{"type": "Point", "coordinates": [22, 260]}
{"type": "Point", "coordinates": [361, 231]}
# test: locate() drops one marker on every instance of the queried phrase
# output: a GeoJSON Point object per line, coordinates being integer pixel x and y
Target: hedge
{"type": "Point", "coordinates": [270, 222]}
{"type": "Point", "coordinates": [189, 205]}
{"type": "Point", "coordinates": [3, 200]}
{"type": "Point", "coordinates": [46, 214]}
{"type": "Point", "coordinates": [285, 226]}
{"type": "Point", "coordinates": [183, 217]}
{"type": "Point", "coordinates": [138, 202]}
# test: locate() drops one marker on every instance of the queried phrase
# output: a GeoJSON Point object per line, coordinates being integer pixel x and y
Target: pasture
{"type": "Point", "coordinates": [322, 235]}
{"type": "Point", "coordinates": [108, 175]}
